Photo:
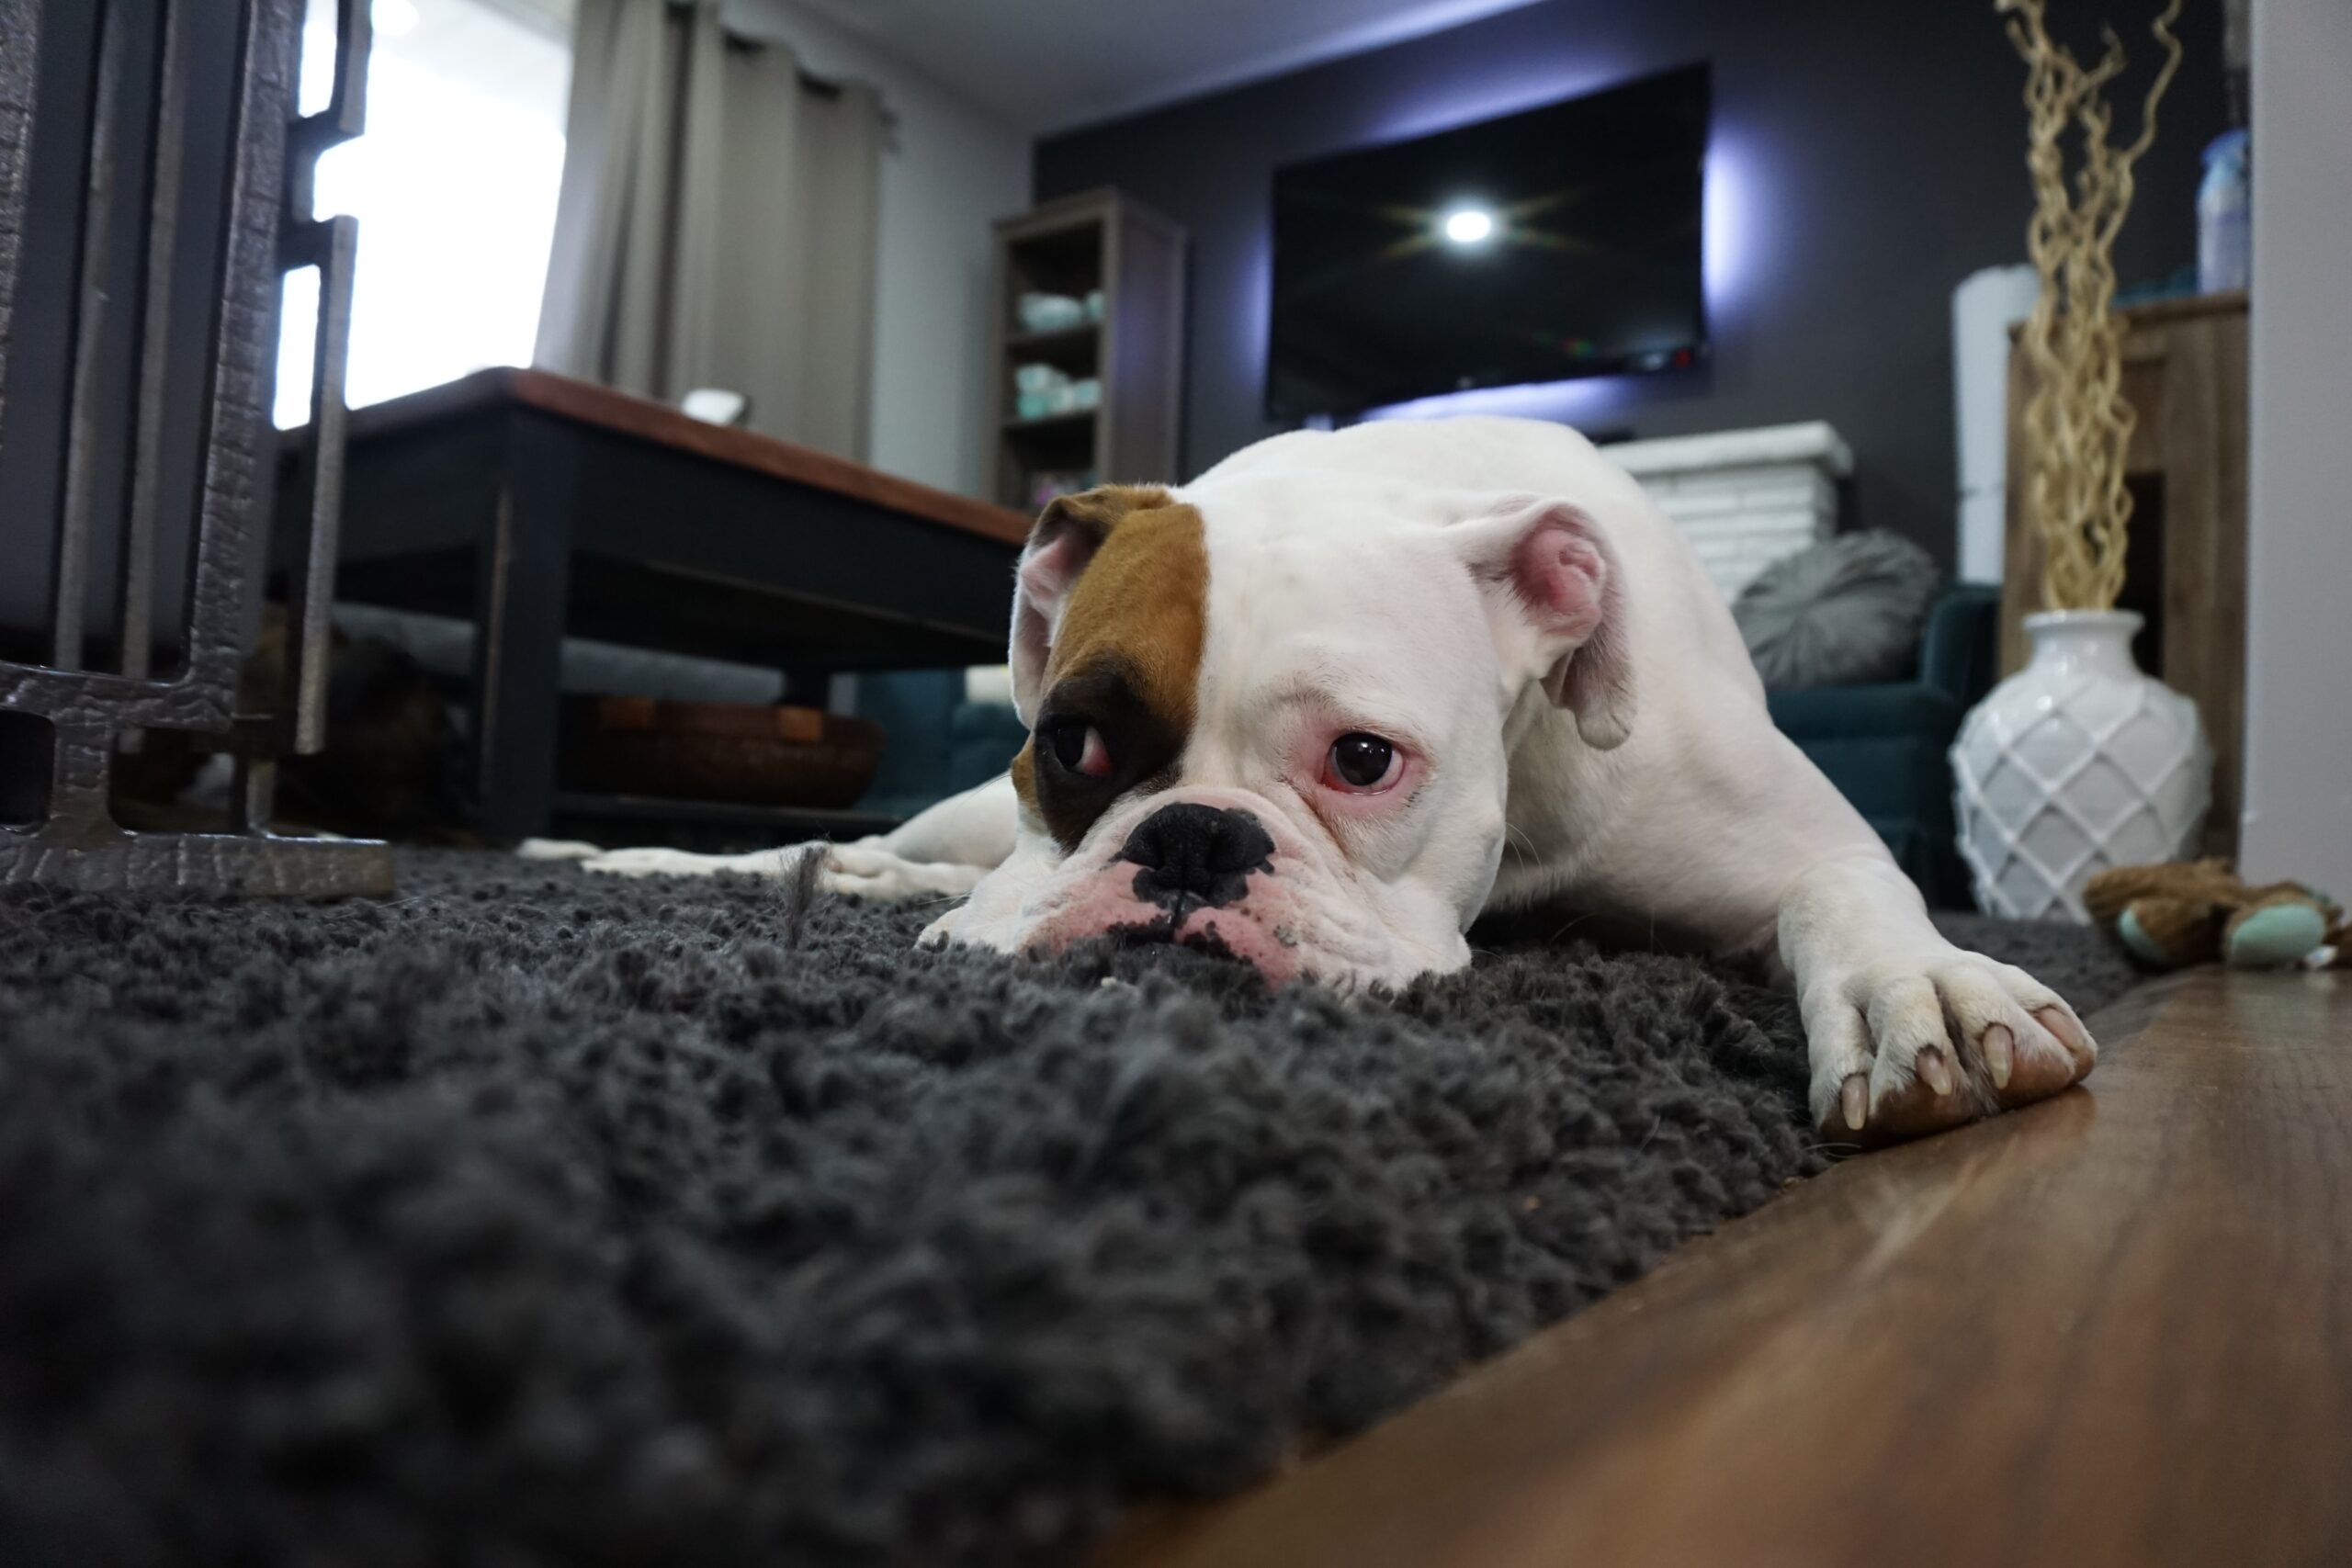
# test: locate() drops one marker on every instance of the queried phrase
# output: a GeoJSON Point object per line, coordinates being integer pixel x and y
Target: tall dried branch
{"type": "Point", "coordinates": [2077, 425]}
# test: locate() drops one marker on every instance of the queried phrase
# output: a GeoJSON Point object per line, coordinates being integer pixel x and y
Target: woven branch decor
{"type": "Point", "coordinates": [2077, 426]}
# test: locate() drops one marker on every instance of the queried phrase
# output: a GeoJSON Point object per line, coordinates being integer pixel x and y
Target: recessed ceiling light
{"type": "Point", "coordinates": [1469, 226]}
{"type": "Point", "coordinates": [393, 18]}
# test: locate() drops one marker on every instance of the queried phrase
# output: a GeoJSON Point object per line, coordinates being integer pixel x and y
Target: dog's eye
{"type": "Point", "coordinates": [1362, 763]}
{"type": "Point", "coordinates": [1079, 748]}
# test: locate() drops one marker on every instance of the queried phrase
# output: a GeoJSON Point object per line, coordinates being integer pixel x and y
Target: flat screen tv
{"type": "Point", "coordinates": [1555, 243]}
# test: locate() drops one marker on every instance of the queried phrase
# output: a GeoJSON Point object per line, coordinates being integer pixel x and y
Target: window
{"type": "Point", "coordinates": [454, 186]}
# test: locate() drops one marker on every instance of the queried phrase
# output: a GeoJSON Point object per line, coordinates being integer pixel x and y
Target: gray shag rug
{"type": "Point", "coordinates": [538, 1219]}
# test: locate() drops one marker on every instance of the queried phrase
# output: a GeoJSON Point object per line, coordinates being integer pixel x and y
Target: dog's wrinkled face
{"type": "Point", "coordinates": [1274, 733]}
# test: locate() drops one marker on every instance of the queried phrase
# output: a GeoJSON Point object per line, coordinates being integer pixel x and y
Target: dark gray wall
{"type": "Point", "coordinates": [1868, 155]}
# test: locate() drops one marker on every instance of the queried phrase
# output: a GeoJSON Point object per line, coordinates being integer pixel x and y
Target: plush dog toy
{"type": "Point", "coordinates": [2197, 912]}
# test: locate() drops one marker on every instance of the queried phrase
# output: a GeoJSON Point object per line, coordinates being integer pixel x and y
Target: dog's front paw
{"type": "Point", "coordinates": [853, 871]}
{"type": "Point", "coordinates": [682, 863]}
{"type": "Point", "coordinates": [558, 850]}
{"type": "Point", "coordinates": [941, 931]}
{"type": "Point", "coordinates": [862, 871]}
{"type": "Point", "coordinates": [1905, 1046]}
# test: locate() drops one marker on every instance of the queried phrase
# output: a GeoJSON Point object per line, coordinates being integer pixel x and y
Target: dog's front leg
{"type": "Point", "coordinates": [943, 852]}
{"type": "Point", "coordinates": [1907, 1033]}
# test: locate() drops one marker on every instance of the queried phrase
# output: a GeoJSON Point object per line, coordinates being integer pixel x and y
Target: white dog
{"type": "Point", "coordinates": [1322, 707]}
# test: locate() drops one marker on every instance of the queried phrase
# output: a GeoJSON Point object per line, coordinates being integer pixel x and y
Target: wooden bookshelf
{"type": "Point", "coordinates": [1095, 240]}
{"type": "Point", "coordinates": [2185, 376]}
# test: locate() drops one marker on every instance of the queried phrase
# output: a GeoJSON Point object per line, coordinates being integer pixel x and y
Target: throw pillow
{"type": "Point", "coordinates": [1843, 612]}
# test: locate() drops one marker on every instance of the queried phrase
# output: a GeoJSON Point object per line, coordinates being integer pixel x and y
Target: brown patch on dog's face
{"type": "Point", "coordinates": [1143, 601]}
{"type": "Point", "coordinates": [1126, 660]}
{"type": "Point", "coordinates": [1025, 776]}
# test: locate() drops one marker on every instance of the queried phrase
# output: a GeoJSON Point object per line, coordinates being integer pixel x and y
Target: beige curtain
{"type": "Point", "coordinates": [715, 225]}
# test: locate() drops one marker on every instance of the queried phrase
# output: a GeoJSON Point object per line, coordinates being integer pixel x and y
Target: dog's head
{"type": "Point", "coordinates": [1273, 719]}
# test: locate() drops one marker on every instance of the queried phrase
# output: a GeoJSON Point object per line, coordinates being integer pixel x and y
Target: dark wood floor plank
{"type": "Point", "coordinates": [2115, 1329]}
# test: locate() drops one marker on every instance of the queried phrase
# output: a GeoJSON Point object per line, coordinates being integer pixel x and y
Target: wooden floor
{"type": "Point", "coordinates": [2115, 1329]}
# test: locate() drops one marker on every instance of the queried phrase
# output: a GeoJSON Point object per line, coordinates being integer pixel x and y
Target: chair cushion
{"type": "Point", "coordinates": [1843, 612]}
{"type": "Point", "coordinates": [1853, 713]}
{"type": "Point", "coordinates": [982, 736]}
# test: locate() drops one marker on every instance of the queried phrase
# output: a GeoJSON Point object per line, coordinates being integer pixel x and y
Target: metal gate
{"type": "Point", "coordinates": [63, 713]}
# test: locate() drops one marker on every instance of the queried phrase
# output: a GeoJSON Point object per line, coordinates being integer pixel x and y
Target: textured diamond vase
{"type": "Point", "coordinates": [2075, 763]}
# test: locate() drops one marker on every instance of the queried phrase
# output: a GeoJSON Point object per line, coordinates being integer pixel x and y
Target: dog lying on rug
{"type": "Point", "coordinates": [1324, 706]}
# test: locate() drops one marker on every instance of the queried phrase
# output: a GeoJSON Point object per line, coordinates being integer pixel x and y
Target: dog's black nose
{"type": "Point", "coordinates": [1197, 855]}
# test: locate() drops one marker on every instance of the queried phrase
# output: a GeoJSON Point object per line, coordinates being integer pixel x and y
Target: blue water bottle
{"type": "Point", "coordinates": [2223, 235]}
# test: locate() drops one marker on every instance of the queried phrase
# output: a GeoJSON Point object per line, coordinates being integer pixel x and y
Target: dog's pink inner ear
{"type": "Point", "coordinates": [1559, 605]}
{"type": "Point", "coordinates": [1049, 570]}
{"type": "Point", "coordinates": [1060, 548]}
{"type": "Point", "coordinates": [1561, 577]}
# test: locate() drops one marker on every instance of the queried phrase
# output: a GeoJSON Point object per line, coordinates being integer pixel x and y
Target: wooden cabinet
{"type": "Point", "coordinates": [2185, 374]}
{"type": "Point", "coordinates": [1100, 243]}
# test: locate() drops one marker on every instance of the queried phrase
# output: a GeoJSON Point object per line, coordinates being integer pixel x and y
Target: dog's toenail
{"type": "Point", "coordinates": [2000, 1058]}
{"type": "Point", "coordinates": [1935, 1071]}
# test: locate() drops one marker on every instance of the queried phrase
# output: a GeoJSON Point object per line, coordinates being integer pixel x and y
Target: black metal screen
{"type": "Point", "coordinates": [155, 186]}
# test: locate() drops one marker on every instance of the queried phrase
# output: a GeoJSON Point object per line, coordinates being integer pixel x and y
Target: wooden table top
{"type": "Point", "coordinates": [2112, 1329]}
{"type": "Point", "coordinates": [585, 403]}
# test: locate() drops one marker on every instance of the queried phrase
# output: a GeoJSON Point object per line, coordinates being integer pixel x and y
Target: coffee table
{"type": "Point", "coordinates": [539, 506]}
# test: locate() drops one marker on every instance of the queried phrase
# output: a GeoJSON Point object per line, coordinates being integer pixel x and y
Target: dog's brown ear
{"type": "Point", "coordinates": [1557, 600]}
{"type": "Point", "coordinates": [1069, 531]}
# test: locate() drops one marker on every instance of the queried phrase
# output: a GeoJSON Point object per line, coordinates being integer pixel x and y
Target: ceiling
{"type": "Point", "coordinates": [1048, 65]}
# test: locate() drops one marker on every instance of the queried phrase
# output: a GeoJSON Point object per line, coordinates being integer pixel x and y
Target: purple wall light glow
{"type": "Point", "coordinates": [1585, 400]}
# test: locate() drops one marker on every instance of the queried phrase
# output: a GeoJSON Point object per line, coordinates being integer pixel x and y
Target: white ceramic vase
{"type": "Point", "coordinates": [2077, 762]}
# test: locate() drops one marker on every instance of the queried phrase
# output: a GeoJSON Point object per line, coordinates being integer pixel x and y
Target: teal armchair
{"type": "Point", "coordinates": [1886, 746]}
{"type": "Point", "coordinates": [935, 742]}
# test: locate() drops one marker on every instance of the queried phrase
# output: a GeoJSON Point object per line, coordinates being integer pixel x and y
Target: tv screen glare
{"type": "Point", "coordinates": [1555, 242]}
